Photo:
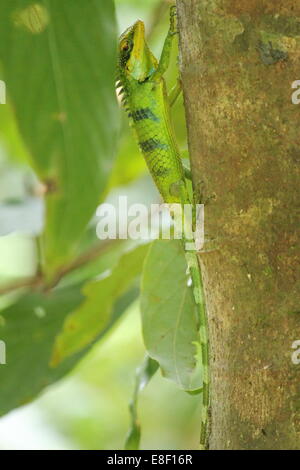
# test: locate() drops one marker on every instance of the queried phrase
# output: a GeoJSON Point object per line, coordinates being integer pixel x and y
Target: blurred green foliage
{"type": "Point", "coordinates": [65, 107]}
{"type": "Point", "coordinates": [88, 409]}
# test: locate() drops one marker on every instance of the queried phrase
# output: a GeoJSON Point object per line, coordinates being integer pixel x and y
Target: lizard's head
{"type": "Point", "coordinates": [135, 58]}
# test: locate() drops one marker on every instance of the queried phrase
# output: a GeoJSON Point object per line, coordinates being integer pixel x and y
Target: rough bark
{"type": "Point", "coordinates": [238, 61]}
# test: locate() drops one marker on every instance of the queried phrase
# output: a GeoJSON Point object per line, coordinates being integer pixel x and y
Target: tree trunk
{"type": "Point", "coordinates": [239, 59]}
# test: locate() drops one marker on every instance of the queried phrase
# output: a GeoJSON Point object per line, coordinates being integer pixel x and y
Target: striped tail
{"type": "Point", "coordinates": [195, 272]}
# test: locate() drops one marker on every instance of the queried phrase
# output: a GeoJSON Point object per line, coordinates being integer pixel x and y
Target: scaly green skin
{"type": "Point", "coordinates": [146, 100]}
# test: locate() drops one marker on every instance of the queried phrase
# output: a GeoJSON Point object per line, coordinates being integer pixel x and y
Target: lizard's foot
{"type": "Point", "coordinates": [173, 15]}
{"type": "Point", "coordinates": [173, 10]}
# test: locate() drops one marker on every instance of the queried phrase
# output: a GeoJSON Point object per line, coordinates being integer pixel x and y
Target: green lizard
{"type": "Point", "coordinates": [146, 100]}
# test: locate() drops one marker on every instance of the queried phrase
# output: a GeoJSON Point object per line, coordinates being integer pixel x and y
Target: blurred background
{"type": "Point", "coordinates": [88, 409]}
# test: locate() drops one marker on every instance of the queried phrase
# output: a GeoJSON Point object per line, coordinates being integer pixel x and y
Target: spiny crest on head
{"type": "Point", "coordinates": [125, 47]}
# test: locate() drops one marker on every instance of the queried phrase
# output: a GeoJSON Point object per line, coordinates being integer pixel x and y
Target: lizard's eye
{"type": "Point", "coordinates": [125, 47]}
{"type": "Point", "coordinates": [125, 50]}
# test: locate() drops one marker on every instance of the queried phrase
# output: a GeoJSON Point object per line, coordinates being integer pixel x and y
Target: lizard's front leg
{"type": "Point", "coordinates": [165, 57]}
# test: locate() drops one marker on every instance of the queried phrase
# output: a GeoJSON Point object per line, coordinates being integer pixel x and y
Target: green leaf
{"type": "Point", "coordinates": [28, 329]}
{"type": "Point", "coordinates": [120, 307]}
{"type": "Point", "coordinates": [82, 327]}
{"type": "Point", "coordinates": [169, 315]}
{"type": "Point", "coordinates": [10, 135]}
{"type": "Point", "coordinates": [59, 66]}
{"type": "Point", "coordinates": [143, 376]}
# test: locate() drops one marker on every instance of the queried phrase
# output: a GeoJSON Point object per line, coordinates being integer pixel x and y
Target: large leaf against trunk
{"type": "Point", "coordinates": [169, 315]}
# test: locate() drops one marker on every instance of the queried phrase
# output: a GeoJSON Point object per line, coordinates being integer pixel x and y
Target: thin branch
{"type": "Point", "coordinates": [83, 259]}
{"type": "Point", "coordinates": [37, 282]}
{"type": "Point", "coordinates": [29, 282]}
